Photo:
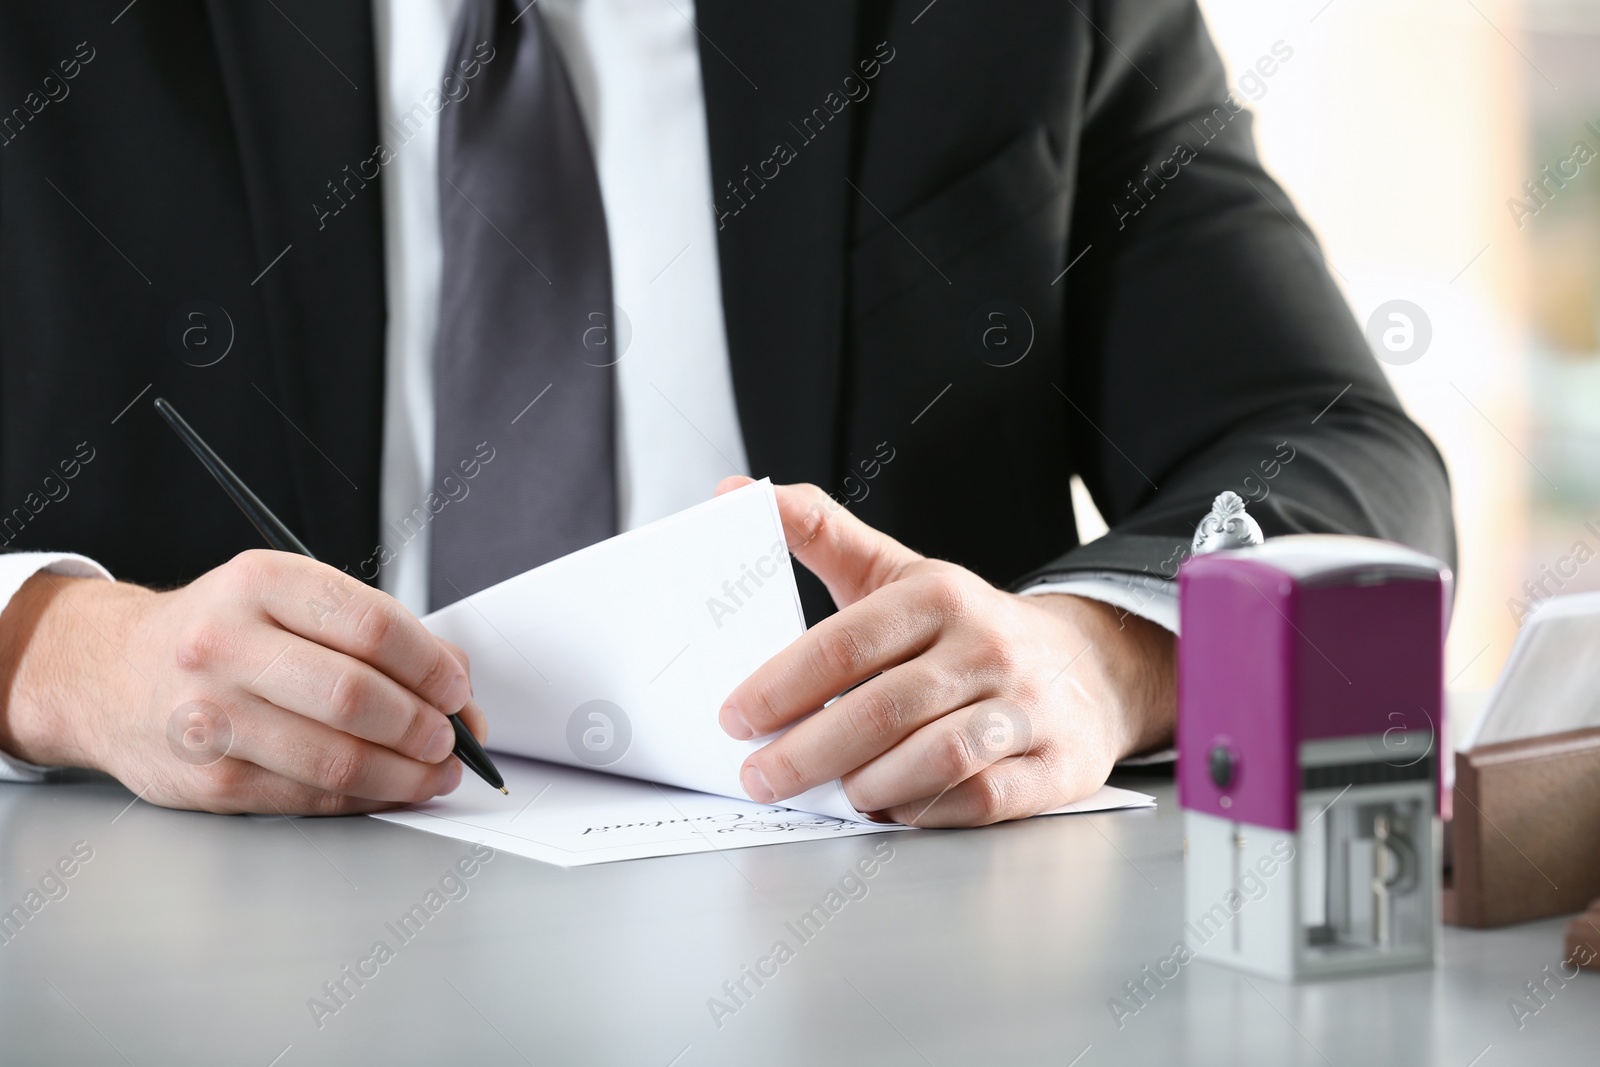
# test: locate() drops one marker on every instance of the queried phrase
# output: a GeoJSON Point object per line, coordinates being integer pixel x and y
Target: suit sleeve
{"type": "Point", "coordinates": [1211, 347]}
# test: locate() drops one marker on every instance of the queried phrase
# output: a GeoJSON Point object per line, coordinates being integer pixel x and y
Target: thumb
{"type": "Point", "coordinates": [850, 557]}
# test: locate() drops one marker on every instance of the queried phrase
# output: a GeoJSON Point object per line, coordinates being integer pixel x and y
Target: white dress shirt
{"type": "Point", "coordinates": [635, 69]}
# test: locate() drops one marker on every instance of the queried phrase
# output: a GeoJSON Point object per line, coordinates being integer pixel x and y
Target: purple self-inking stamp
{"type": "Point", "coordinates": [1310, 718]}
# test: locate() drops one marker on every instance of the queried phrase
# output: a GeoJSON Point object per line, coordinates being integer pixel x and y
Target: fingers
{"type": "Point", "coordinates": [850, 557]}
{"type": "Point", "coordinates": [354, 698]}
{"type": "Point", "coordinates": [237, 787]}
{"type": "Point", "coordinates": [475, 720]}
{"type": "Point", "coordinates": [357, 620]}
{"type": "Point", "coordinates": [459, 653]}
{"type": "Point", "coordinates": [859, 727]}
{"type": "Point", "coordinates": [941, 755]}
{"type": "Point", "coordinates": [880, 632]}
{"type": "Point", "coordinates": [471, 714]}
{"type": "Point", "coordinates": [274, 794]}
{"type": "Point", "coordinates": [321, 757]}
{"type": "Point", "coordinates": [1012, 789]}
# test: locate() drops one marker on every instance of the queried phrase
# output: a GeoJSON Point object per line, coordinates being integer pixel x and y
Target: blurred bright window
{"type": "Point", "coordinates": [1447, 154]}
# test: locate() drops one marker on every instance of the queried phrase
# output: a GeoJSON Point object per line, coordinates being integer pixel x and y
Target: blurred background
{"type": "Point", "coordinates": [1408, 132]}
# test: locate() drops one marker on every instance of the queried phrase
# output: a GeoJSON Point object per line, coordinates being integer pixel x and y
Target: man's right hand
{"type": "Point", "coordinates": [273, 683]}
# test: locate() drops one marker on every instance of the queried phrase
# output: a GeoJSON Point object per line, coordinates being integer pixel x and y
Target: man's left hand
{"type": "Point", "coordinates": [971, 705]}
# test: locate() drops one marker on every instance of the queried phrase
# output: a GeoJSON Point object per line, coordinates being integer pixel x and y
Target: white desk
{"type": "Point", "coordinates": [199, 939]}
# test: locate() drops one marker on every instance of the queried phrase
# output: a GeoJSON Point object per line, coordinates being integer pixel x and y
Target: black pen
{"type": "Point", "coordinates": [279, 536]}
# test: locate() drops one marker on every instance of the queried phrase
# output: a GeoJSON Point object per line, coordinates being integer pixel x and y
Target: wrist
{"type": "Point", "coordinates": [1135, 665]}
{"type": "Point", "coordinates": [62, 666]}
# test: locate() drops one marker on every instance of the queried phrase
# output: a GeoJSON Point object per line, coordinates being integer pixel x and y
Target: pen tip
{"type": "Point", "coordinates": [504, 790]}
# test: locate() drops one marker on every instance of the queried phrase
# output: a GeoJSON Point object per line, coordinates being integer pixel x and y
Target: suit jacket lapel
{"type": "Point", "coordinates": [302, 90]}
{"type": "Point", "coordinates": [782, 141]}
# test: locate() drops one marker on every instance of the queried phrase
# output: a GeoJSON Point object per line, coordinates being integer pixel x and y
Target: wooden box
{"type": "Point", "coordinates": [1525, 831]}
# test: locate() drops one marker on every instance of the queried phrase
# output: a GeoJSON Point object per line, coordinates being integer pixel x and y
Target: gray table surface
{"type": "Point", "coordinates": [192, 938]}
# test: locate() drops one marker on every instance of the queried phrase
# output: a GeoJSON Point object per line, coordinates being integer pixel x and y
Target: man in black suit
{"type": "Point", "coordinates": [965, 253]}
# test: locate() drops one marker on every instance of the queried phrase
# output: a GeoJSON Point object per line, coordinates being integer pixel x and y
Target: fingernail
{"type": "Point", "coordinates": [452, 778]}
{"type": "Point", "coordinates": [755, 785]}
{"type": "Point", "coordinates": [458, 693]}
{"type": "Point", "coordinates": [440, 744]}
{"type": "Point", "coordinates": [877, 816]}
{"type": "Point", "coordinates": [734, 724]}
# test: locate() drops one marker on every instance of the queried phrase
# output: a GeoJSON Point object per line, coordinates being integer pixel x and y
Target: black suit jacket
{"type": "Point", "coordinates": [1013, 179]}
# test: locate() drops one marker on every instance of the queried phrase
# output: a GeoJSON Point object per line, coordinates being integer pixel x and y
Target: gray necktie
{"type": "Point", "coordinates": [522, 365]}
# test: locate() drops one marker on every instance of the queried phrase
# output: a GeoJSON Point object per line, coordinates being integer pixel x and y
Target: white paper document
{"type": "Point", "coordinates": [573, 818]}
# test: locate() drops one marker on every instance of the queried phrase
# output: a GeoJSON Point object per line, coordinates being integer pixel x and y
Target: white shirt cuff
{"type": "Point", "coordinates": [15, 569]}
{"type": "Point", "coordinates": [1155, 599]}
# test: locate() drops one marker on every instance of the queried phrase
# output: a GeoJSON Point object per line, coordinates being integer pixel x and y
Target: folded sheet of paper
{"type": "Point", "coordinates": [618, 656]}
{"type": "Point", "coordinates": [616, 659]}
{"type": "Point", "coordinates": [572, 818]}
